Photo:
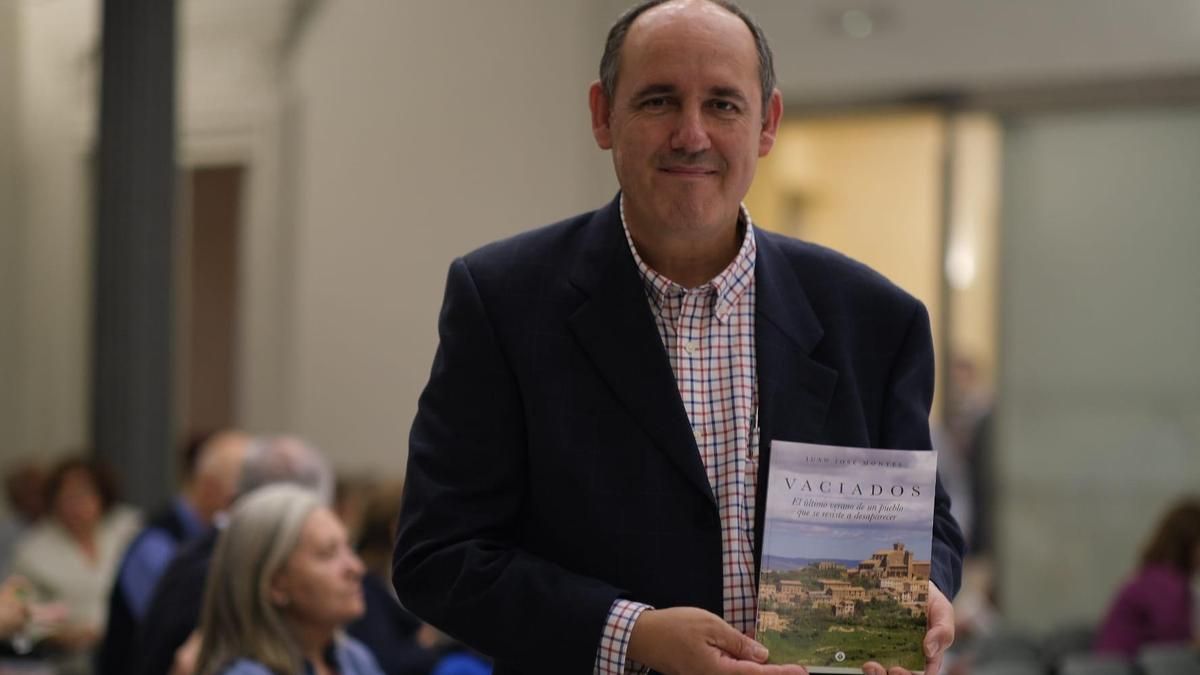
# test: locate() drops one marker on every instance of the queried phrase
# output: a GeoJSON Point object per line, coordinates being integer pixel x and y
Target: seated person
{"type": "Point", "coordinates": [282, 584]}
{"type": "Point", "coordinates": [1155, 604]}
{"type": "Point", "coordinates": [71, 556]}
{"type": "Point", "coordinates": [213, 463]}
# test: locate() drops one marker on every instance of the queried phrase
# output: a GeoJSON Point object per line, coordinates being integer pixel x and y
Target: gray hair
{"type": "Point", "coordinates": [610, 61]}
{"type": "Point", "coordinates": [239, 620]}
{"type": "Point", "coordinates": [286, 459]}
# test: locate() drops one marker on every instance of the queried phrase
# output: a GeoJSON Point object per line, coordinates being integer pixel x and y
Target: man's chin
{"type": "Point", "coordinates": [690, 215]}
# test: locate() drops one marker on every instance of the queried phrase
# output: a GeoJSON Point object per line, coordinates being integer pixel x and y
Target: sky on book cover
{"type": "Point", "coordinates": [872, 491]}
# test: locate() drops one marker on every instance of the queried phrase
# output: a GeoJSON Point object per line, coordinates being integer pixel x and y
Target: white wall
{"type": "Point", "coordinates": [1099, 417]}
{"type": "Point", "coordinates": [423, 130]}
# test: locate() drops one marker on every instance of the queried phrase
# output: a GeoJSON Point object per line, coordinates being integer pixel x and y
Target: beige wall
{"type": "Point", "coordinates": [364, 182]}
{"type": "Point", "coordinates": [416, 144]}
{"type": "Point", "coordinates": [10, 258]}
{"type": "Point", "coordinates": [51, 321]}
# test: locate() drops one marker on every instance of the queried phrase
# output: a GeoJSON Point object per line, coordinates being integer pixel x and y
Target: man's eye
{"type": "Point", "coordinates": [655, 103]}
{"type": "Point", "coordinates": [725, 106]}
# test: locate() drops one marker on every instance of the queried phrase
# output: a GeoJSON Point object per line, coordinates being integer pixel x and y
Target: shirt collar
{"type": "Point", "coordinates": [728, 287]}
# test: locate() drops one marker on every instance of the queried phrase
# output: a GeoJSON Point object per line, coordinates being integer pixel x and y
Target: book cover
{"type": "Point", "coordinates": [846, 556]}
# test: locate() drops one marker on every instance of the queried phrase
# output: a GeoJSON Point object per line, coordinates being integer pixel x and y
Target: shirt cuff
{"type": "Point", "coordinates": [614, 641]}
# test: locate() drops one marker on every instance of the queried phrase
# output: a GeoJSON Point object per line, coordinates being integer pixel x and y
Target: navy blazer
{"type": "Point", "coordinates": [552, 467]}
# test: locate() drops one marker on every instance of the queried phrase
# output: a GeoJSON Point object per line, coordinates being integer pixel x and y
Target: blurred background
{"type": "Point", "coordinates": [240, 213]}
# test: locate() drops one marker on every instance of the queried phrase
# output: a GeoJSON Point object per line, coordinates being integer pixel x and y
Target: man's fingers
{"type": "Point", "coordinates": [934, 666]}
{"type": "Point", "coordinates": [739, 646]}
{"type": "Point", "coordinates": [941, 624]}
{"type": "Point", "coordinates": [873, 668]}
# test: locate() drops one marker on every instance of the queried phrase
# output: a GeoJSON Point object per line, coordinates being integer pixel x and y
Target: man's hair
{"type": "Point", "coordinates": [610, 61]}
{"type": "Point", "coordinates": [285, 459]}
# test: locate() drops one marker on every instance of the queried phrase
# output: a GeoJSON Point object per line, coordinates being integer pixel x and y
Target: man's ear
{"type": "Point", "coordinates": [601, 114]}
{"type": "Point", "coordinates": [770, 128]}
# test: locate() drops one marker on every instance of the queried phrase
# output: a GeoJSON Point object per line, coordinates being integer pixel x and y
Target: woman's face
{"type": "Point", "coordinates": [321, 582]}
{"type": "Point", "coordinates": [77, 503]}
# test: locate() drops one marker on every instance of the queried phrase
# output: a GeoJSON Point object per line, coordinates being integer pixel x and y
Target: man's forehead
{"type": "Point", "coordinates": [677, 33]}
{"type": "Point", "coordinates": [684, 20]}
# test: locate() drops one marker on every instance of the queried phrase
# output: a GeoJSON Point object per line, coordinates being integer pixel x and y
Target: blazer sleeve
{"type": "Point", "coordinates": [906, 427]}
{"type": "Point", "coordinates": [459, 562]}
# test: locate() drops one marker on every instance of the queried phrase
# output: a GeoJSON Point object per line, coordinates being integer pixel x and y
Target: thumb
{"type": "Point", "coordinates": [739, 646]}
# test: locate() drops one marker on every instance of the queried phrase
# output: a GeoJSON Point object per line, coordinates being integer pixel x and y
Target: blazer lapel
{"type": "Point", "coordinates": [794, 390]}
{"type": "Point", "coordinates": [615, 328]}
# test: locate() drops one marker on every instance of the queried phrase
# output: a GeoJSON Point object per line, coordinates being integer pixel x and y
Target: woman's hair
{"type": "Point", "coordinates": [97, 472]}
{"type": "Point", "coordinates": [1175, 539]}
{"type": "Point", "coordinates": [239, 620]}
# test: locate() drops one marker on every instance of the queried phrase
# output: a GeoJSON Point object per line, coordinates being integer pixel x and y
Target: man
{"type": "Point", "coordinates": [174, 609]}
{"type": "Point", "coordinates": [212, 465]}
{"type": "Point", "coordinates": [584, 467]}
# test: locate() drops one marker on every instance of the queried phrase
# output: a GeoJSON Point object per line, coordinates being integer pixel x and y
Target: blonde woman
{"type": "Point", "coordinates": [283, 582]}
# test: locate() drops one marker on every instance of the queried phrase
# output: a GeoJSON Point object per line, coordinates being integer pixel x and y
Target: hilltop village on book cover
{"type": "Point", "coordinates": [846, 556]}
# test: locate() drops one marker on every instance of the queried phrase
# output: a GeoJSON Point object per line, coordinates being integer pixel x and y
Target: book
{"type": "Point", "coordinates": [846, 556]}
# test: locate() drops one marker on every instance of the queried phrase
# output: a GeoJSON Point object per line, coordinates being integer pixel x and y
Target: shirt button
{"type": "Point", "coordinates": [690, 346]}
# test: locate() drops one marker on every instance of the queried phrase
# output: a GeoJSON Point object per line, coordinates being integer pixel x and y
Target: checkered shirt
{"type": "Point", "coordinates": [708, 332]}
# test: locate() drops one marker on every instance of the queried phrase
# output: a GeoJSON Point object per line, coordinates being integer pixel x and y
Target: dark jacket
{"type": "Point", "coordinates": [552, 467]}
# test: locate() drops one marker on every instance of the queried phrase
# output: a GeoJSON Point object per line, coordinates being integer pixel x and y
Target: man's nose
{"type": "Point", "coordinates": [690, 135]}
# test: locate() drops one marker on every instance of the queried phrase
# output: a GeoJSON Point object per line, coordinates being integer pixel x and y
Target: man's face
{"type": "Point", "coordinates": [685, 123]}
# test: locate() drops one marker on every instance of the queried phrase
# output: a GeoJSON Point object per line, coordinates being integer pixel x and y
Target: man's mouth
{"type": "Point", "coordinates": [686, 171]}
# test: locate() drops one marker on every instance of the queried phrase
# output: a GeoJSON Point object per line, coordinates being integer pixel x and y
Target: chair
{"type": "Point", "coordinates": [1169, 660]}
{"type": "Point", "coordinates": [1095, 664]}
{"type": "Point", "coordinates": [1067, 640]}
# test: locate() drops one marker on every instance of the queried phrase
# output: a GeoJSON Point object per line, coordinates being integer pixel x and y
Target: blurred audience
{"type": "Point", "coordinates": [212, 465]}
{"type": "Point", "coordinates": [284, 581]}
{"type": "Point", "coordinates": [25, 486]}
{"type": "Point", "coordinates": [401, 643]}
{"type": "Point", "coordinates": [1156, 604]}
{"type": "Point", "coordinates": [966, 439]}
{"type": "Point", "coordinates": [174, 609]}
{"type": "Point", "coordinates": [71, 556]}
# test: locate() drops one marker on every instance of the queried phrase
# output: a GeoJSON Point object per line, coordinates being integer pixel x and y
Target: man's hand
{"type": "Point", "coordinates": [938, 638]}
{"type": "Point", "coordinates": [14, 610]}
{"type": "Point", "coordinates": [688, 640]}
